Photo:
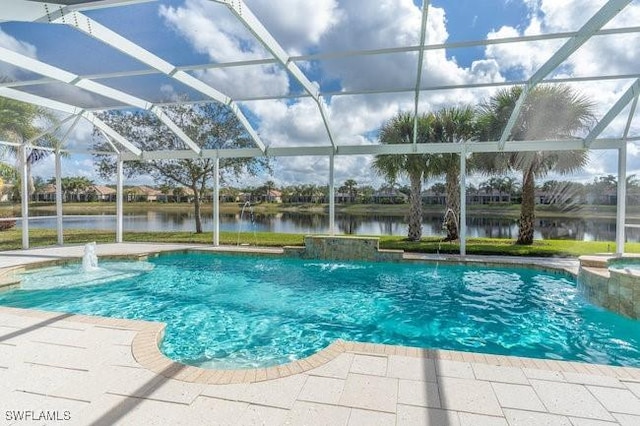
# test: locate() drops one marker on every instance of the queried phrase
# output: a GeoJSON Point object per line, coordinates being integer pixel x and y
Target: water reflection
{"type": "Point", "coordinates": [306, 222]}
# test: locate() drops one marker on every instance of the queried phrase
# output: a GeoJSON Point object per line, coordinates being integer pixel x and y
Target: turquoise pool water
{"type": "Point", "coordinates": [240, 311]}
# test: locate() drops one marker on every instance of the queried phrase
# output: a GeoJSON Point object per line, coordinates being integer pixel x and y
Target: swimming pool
{"type": "Point", "coordinates": [238, 311]}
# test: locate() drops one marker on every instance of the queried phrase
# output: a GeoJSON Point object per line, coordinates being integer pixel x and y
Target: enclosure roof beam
{"type": "Point", "coordinates": [69, 109]}
{"type": "Point", "coordinates": [89, 116]}
{"type": "Point", "coordinates": [632, 113]}
{"type": "Point", "coordinates": [244, 14]}
{"type": "Point", "coordinates": [59, 74]}
{"type": "Point", "coordinates": [624, 100]}
{"type": "Point", "coordinates": [98, 31]}
{"type": "Point", "coordinates": [20, 10]}
{"type": "Point", "coordinates": [48, 148]}
{"type": "Point", "coordinates": [396, 90]}
{"type": "Point", "coordinates": [177, 130]}
{"type": "Point", "coordinates": [69, 130]}
{"type": "Point", "coordinates": [52, 128]}
{"type": "Point", "coordinates": [612, 77]}
{"type": "Point", "coordinates": [597, 21]}
{"type": "Point", "coordinates": [108, 139]}
{"type": "Point", "coordinates": [435, 88]}
{"type": "Point", "coordinates": [416, 96]}
{"type": "Point", "coordinates": [382, 51]}
{"type": "Point", "coordinates": [19, 95]}
{"type": "Point", "coordinates": [409, 148]}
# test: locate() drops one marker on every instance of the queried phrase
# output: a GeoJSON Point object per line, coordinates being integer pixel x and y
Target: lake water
{"type": "Point", "coordinates": [301, 223]}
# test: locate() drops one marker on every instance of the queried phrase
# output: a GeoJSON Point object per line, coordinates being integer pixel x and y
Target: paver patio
{"type": "Point", "coordinates": [87, 367]}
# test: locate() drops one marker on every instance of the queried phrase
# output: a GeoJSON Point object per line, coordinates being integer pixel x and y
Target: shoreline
{"type": "Point", "coordinates": [510, 211]}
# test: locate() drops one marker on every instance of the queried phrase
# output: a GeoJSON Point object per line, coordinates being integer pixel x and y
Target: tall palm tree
{"type": "Point", "coordinates": [399, 130]}
{"type": "Point", "coordinates": [351, 186]}
{"type": "Point", "coordinates": [551, 112]}
{"type": "Point", "coordinates": [18, 124]}
{"type": "Point", "coordinates": [8, 173]}
{"type": "Point", "coordinates": [268, 187]}
{"type": "Point", "coordinates": [452, 125]}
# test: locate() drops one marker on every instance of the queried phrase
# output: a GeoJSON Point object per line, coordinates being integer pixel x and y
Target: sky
{"type": "Point", "coordinates": [188, 32]}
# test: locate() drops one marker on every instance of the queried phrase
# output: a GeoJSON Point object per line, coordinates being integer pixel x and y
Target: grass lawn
{"type": "Point", "coordinates": [11, 240]}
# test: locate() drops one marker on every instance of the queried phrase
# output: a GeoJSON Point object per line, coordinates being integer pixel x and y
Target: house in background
{"type": "Point", "coordinates": [46, 194]}
{"type": "Point", "coordinates": [273, 196]}
{"type": "Point", "coordinates": [103, 193]}
{"type": "Point", "coordinates": [5, 192]}
{"type": "Point", "coordinates": [388, 195]}
{"type": "Point", "coordinates": [489, 196]}
{"type": "Point", "coordinates": [432, 197]}
{"type": "Point", "coordinates": [141, 193]}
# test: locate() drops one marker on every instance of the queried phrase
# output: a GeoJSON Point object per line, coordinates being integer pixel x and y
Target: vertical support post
{"type": "Point", "coordinates": [119, 194]}
{"type": "Point", "coordinates": [216, 202]}
{"type": "Point", "coordinates": [59, 227]}
{"type": "Point", "coordinates": [622, 198]}
{"type": "Point", "coordinates": [622, 181]}
{"type": "Point", "coordinates": [24, 192]}
{"type": "Point", "coordinates": [332, 196]}
{"type": "Point", "coordinates": [463, 201]}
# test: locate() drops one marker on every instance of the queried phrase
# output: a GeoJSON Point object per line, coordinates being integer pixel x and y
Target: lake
{"type": "Point", "coordinates": [317, 223]}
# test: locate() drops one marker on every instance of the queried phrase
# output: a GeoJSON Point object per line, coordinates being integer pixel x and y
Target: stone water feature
{"type": "Point", "coordinates": [612, 282]}
{"type": "Point", "coordinates": [343, 248]}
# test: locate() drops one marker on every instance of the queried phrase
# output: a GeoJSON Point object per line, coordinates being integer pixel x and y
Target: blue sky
{"type": "Point", "coordinates": [188, 32]}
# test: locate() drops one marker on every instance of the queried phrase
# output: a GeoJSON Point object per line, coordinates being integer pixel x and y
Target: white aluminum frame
{"type": "Point", "coordinates": [72, 16]}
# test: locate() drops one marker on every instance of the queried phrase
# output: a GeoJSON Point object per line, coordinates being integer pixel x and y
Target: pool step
{"type": "Point", "coordinates": [9, 283]}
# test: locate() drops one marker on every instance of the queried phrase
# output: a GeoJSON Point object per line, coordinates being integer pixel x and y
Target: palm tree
{"type": "Point", "coordinates": [399, 130]}
{"type": "Point", "coordinates": [350, 186]}
{"type": "Point", "coordinates": [439, 189]}
{"type": "Point", "coordinates": [551, 112]}
{"type": "Point", "coordinates": [8, 173]}
{"type": "Point", "coordinates": [178, 193]}
{"type": "Point", "coordinates": [74, 186]}
{"type": "Point", "coordinates": [17, 124]}
{"type": "Point", "coordinates": [268, 187]}
{"type": "Point", "coordinates": [452, 125]}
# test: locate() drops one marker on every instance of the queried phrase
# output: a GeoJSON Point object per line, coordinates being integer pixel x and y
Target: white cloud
{"type": "Point", "coordinates": [522, 58]}
{"type": "Point", "coordinates": [566, 15]}
{"type": "Point", "coordinates": [248, 81]}
{"type": "Point", "coordinates": [11, 43]}
{"type": "Point", "coordinates": [212, 30]}
{"type": "Point", "coordinates": [297, 24]}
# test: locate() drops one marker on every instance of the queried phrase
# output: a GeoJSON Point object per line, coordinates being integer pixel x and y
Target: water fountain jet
{"type": "Point", "coordinates": [90, 259]}
{"type": "Point", "coordinates": [247, 204]}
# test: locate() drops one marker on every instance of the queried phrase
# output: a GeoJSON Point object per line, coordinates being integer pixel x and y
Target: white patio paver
{"type": "Point", "coordinates": [37, 373]}
{"type": "Point", "coordinates": [86, 367]}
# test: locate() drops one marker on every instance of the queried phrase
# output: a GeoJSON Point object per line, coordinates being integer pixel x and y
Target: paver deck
{"type": "Point", "coordinates": [88, 370]}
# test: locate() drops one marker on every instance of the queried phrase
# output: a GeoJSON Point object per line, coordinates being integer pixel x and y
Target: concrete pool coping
{"type": "Point", "coordinates": [129, 380]}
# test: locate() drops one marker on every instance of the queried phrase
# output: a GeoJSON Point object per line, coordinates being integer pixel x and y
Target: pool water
{"type": "Point", "coordinates": [633, 265]}
{"type": "Point", "coordinates": [237, 311]}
